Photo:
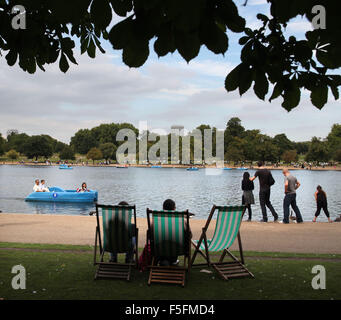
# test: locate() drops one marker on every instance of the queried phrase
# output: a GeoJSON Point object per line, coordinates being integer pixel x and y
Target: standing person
{"type": "Point", "coordinates": [265, 182]}
{"type": "Point", "coordinates": [291, 184]}
{"type": "Point", "coordinates": [321, 202]}
{"type": "Point", "coordinates": [248, 198]}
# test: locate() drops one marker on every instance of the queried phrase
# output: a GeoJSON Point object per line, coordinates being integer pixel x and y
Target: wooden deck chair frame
{"type": "Point", "coordinates": [226, 270]}
{"type": "Point", "coordinates": [169, 274]}
{"type": "Point", "coordinates": [112, 270]}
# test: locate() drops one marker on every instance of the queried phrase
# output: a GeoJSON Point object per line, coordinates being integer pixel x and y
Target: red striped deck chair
{"type": "Point", "coordinates": [226, 232]}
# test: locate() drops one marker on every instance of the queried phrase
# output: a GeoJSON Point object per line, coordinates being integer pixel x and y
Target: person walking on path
{"type": "Point", "coordinates": [266, 180]}
{"type": "Point", "coordinates": [321, 202]}
{"type": "Point", "coordinates": [248, 198]}
{"type": "Point", "coordinates": [291, 184]}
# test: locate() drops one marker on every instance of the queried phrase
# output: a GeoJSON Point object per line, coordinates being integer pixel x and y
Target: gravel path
{"type": "Point", "coordinates": [80, 230]}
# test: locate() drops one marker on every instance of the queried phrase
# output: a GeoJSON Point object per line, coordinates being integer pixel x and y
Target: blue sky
{"type": "Point", "coordinates": [163, 92]}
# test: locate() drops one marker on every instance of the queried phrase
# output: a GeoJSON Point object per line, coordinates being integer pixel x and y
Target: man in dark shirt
{"type": "Point", "coordinates": [265, 182]}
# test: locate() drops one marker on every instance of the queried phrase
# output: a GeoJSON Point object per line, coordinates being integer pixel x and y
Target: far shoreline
{"type": "Point", "coordinates": [180, 166]}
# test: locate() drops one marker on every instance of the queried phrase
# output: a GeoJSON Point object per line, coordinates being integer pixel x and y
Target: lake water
{"type": "Point", "coordinates": [149, 187]}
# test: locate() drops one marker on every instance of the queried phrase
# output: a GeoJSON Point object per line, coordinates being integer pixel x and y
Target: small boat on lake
{"type": "Point", "coordinates": [57, 194]}
{"type": "Point", "coordinates": [65, 167]}
{"type": "Point", "coordinates": [226, 168]}
{"type": "Point", "coordinates": [156, 166]}
{"type": "Point", "coordinates": [192, 169]}
{"type": "Point", "coordinates": [241, 168]}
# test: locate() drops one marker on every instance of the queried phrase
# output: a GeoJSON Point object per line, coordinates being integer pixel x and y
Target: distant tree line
{"type": "Point", "coordinates": [240, 145]}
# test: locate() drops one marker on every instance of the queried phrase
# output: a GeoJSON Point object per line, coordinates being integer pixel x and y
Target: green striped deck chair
{"type": "Point", "coordinates": [169, 236]}
{"type": "Point", "coordinates": [115, 235]}
{"type": "Point", "coordinates": [226, 231]}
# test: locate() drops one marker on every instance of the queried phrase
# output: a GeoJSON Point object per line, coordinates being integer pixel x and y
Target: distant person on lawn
{"type": "Point", "coordinates": [291, 184]}
{"type": "Point", "coordinates": [321, 202]}
{"type": "Point", "coordinates": [248, 198]}
{"type": "Point", "coordinates": [265, 182]}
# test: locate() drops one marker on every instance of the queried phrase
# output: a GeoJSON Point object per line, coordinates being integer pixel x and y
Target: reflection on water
{"type": "Point", "coordinates": [148, 188]}
{"type": "Point", "coordinates": [60, 208]}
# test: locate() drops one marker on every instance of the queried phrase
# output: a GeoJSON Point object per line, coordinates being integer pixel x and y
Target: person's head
{"type": "Point", "coordinates": [84, 186]}
{"type": "Point", "coordinates": [319, 188]}
{"type": "Point", "coordinates": [168, 204]}
{"type": "Point", "coordinates": [285, 171]}
{"type": "Point", "coordinates": [42, 181]}
{"type": "Point", "coordinates": [37, 181]}
{"type": "Point", "coordinates": [123, 203]}
{"type": "Point", "coordinates": [260, 163]}
{"type": "Point", "coordinates": [246, 176]}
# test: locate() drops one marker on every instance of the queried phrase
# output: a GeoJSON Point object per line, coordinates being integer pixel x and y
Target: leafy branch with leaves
{"type": "Point", "coordinates": [269, 58]}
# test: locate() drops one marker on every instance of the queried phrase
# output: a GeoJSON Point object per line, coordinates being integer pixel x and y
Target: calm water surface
{"type": "Point", "coordinates": [149, 187]}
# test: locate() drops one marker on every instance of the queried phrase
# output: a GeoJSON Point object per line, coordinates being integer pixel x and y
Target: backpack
{"type": "Point", "coordinates": [145, 259]}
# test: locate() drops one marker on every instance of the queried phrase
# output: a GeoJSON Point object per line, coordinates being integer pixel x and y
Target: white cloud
{"type": "Point", "coordinates": [257, 2]}
{"type": "Point", "coordinates": [163, 92]}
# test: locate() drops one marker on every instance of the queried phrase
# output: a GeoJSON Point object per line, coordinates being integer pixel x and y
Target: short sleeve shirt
{"type": "Point", "coordinates": [36, 188]}
{"type": "Point", "coordinates": [292, 182]}
{"type": "Point", "coordinates": [263, 176]}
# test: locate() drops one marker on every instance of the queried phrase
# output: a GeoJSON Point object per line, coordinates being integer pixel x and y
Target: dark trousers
{"type": "Point", "coordinates": [129, 253]}
{"type": "Point", "coordinates": [322, 206]}
{"type": "Point", "coordinates": [290, 200]}
{"type": "Point", "coordinates": [264, 200]}
{"type": "Point", "coordinates": [248, 206]}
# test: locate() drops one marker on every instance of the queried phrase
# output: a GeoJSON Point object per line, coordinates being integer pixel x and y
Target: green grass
{"type": "Point", "coordinates": [90, 248]}
{"type": "Point", "coordinates": [67, 272]}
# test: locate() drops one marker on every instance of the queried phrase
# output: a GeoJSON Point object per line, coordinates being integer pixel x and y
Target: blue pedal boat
{"type": "Point", "coordinates": [57, 194]}
{"type": "Point", "coordinates": [226, 168]}
{"type": "Point", "coordinates": [65, 167]}
{"type": "Point", "coordinates": [192, 169]}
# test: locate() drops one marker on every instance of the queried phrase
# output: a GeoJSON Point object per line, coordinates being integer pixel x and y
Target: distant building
{"type": "Point", "coordinates": [177, 129]}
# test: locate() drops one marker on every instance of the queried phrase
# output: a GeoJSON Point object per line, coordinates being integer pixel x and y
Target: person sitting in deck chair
{"type": "Point", "coordinates": [130, 254]}
{"type": "Point", "coordinates": [168, 204]}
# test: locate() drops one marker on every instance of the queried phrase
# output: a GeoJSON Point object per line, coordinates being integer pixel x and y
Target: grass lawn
{"type": "Point", "coordinates": [67, 272]}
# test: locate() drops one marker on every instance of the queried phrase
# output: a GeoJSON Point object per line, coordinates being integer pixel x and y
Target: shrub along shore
{"type": "Point", "coordinates": [271, 167]}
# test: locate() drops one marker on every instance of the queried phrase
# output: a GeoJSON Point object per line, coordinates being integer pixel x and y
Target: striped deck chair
{"type": "Point", "coordinates": [169, 236]}
{"type": "Point", "coordinates": [225, 233]}
{"type": "Point", "coordinates": [117, 230]}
